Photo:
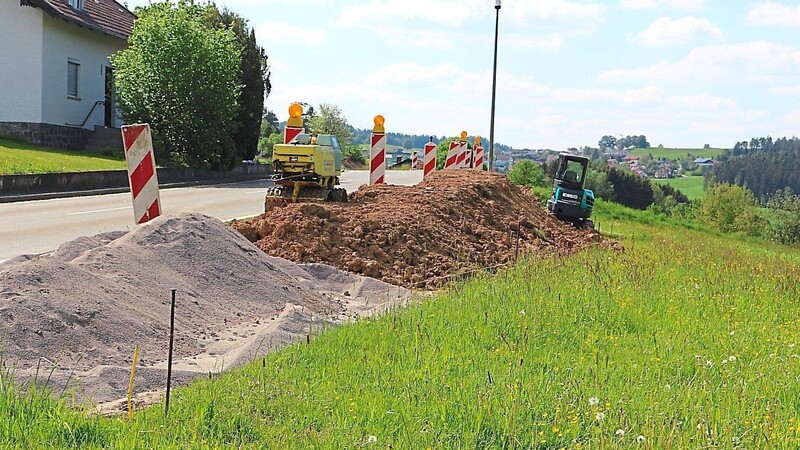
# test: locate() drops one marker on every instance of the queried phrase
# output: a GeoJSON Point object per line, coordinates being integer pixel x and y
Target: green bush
{"type": "Point", "coordinates": [730, 208]}
{"type": "Point", "coordinates": [528, 173]}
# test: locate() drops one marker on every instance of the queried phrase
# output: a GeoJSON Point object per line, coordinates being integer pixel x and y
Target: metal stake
{"type": "Point", "coordinates": [169, 358]}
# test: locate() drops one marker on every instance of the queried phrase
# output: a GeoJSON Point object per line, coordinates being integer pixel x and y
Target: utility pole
{"type": "Point", "coordinates": [494, 86]}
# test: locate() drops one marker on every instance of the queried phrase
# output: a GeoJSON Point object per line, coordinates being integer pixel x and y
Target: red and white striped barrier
{"type": "Point", "coordinates": [461, 160]}
{"type": "Point", "coordinates": [290, 133]}
{"type": "Point", "coordinates": [138, 144]}
{"type": "Point", "coordinates": [479, 157]}
{"type": "Point", "coordinates": [452, 155]}
{"type": "Point", "coordinates": [429, 159]}
{"type": "Point", "coordinates": [377, 159]}
{"type": "Point", "coordinates": [414, 161]}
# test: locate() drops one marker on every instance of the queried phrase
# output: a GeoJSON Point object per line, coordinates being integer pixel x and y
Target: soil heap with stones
{"type": "Point", "coordinates": [452, 223]}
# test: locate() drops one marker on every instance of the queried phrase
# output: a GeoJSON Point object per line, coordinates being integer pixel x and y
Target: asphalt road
{"type": "Point", "coordinates": [41, 226]}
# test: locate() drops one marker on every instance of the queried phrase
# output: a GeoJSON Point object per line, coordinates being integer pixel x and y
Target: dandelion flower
{"type": "Point", "coordinates": [731, 358]}
{"type": "Point", "coordinates": [667, 387]}
{"type": "Point", "coordinates": [594, 401]}
{"type": "Point", "coordinates": [620, 432]}
{"type": "Point", "coordinates": [640, 439]}
{"type": "Point", "coordinates": [522, 312]}
{"type": "Point", "coordinates": [709, 364]}
{"type": "Point", "coordinates": [372, 439]}
{"type": "Point", "coordinates": [600, 416]}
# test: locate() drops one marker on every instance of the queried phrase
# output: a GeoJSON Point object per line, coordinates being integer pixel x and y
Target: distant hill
{"type": "Point", "coordinates": [679, 153]}
{"type": "Point", "coordinates": [411, 141]}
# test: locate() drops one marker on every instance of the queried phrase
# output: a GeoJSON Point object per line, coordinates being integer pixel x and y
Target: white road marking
{"type": "Point", "coordinates": [99, 211]}
{"type": "Point", "coordinates": [3, 260]}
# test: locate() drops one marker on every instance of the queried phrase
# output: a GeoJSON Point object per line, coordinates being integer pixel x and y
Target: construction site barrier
{"type": "Point", "coordinates": [138, 144]}
{"type": "Point", "coordinates": [429, 159]}
{"type": "Point", "coordinates": [452, 155]}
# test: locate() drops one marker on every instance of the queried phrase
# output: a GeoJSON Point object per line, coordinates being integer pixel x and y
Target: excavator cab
{"type": "Point", "coordinates": [570, 201]}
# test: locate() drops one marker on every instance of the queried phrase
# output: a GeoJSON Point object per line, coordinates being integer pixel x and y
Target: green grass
{"type": "Point", "coordinates": [679, 153]}
{"type": "Point", "coordinates": [692, 187]}
{"type": "Point", "coordinates": [19, 158]}
{"type": "Point", "coordinates": [686, 339]}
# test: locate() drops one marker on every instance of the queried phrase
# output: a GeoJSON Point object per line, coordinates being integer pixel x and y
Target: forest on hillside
{"type": "Point", "coordinates": [762, 165]}
{"type": "Point", "coordinates": [409, 141]}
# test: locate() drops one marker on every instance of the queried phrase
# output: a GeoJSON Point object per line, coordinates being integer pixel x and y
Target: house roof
{"type": "Point", "coordinates": [105, 16]}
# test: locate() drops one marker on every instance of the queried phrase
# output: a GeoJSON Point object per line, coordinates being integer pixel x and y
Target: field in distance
{"type": "Point", "coordinates": [692, 187]}
{"type": "Point", "coordinates": [679, 153]}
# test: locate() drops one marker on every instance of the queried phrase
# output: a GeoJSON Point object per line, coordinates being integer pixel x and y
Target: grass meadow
{"type": "Point", "coordinates": [17, 158]}
{"type": "Point", "coordinates": [679, 153]}
{"type": "Point", "coordinates": [692, 187]}
{"type": "Point", "coordinates": [683, 340]}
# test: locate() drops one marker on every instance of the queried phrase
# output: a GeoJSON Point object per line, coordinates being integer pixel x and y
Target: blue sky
{"type": "Point", "coordinates": [682, 72]}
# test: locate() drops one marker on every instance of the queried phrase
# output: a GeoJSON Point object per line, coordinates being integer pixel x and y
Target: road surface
{"type": "Point", "coordinates": [41, 226]}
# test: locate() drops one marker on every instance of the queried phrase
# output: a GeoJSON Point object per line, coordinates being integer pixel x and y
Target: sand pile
{"type": "Point", "coordinates": [84, 307]}
{"type": "Point", "coordinates": [417, 236]}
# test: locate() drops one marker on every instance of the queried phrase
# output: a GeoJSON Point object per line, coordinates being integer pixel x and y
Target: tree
{"type": "Point", "coordinates": [528, 173]}
{"type": "Point", "coordinates": [269, 124]}
{"type": "Point", "coordinates": [597, 182]}
{"type": "Point", "coordinates": [330, 120]}
{"type": "Point", "coordinates": [267, 143]}
{"type": "Point", "coordinates": [730, 209]}
{"type": "Point", "coordinates": [607, 143]}
{"type": "Point", "coordinates": [630, 189]}
{"type": "Point", "coordinates": [254, 78]}
{"type": "Point", "coordinates": [183, 79]}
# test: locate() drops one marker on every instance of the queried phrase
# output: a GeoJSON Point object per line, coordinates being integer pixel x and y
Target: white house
{"type": "Point", "coordinates": [56, 76]}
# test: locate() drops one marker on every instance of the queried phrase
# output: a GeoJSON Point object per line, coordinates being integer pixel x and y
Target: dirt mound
{"type": "Point", "coordinates": [418, 236]}
{"type": "Point", "coordinates": [84, 307]}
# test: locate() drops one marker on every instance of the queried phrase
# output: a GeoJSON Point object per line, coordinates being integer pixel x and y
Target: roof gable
{"type": "Point", "coordinates": [106, 16]}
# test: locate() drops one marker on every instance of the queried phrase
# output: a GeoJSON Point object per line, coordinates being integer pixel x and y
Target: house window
{"type": "Point", "coordinates": [72, 78]}
{"type": "Point", "coordinates": [77, 4]}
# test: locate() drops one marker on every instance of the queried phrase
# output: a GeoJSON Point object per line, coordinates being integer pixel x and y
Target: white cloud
{"type": "Point", "coordinates": [454, 13]}
{"type": "Point", "coordinates": [451, 13]}
{"type": "Point", "coordinates": [750, 62]}
{"type": "Point", "coordinates": [402, 73]}
{"type": "Point", "coordinates": [792, 121]}
{"type": "Point", "coordinates": [550, 41]}
{"type": "Point", "coordinates": [564, 10]}
{"type": "Point", "coordinates": [668, 31]}
{"type": "Point", "coordinates": [687, 5]}
{"type": "Point", "coordinates": [784, 90]}
{"type": "Point", "coordinates": [774, 13]}
{"type": "Point", "coordinates": [273, 33]}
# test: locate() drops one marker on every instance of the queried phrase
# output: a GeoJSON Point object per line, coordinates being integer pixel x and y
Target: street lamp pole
{"type": "Point", "coordinates": [494, 86]}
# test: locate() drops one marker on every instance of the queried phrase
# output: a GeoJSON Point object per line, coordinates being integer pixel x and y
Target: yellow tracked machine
{"type": "Point", "coordinates": [306, 169]}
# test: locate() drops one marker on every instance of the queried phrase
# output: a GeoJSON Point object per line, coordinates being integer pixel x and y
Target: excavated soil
{"type": "Point", "coordinates": [419, 236]}
{"type": "Point", "coordinates": [73, 317]}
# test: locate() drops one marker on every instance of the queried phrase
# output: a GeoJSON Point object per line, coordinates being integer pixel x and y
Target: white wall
{"type": "Point", "coordinates": [20, 63]}
{"type": "Point", "coordinates": [63, 42]}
